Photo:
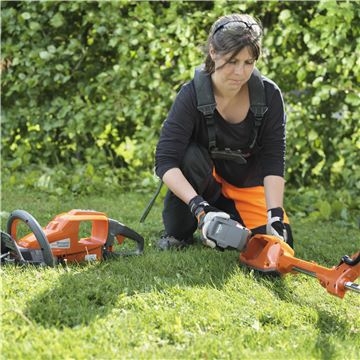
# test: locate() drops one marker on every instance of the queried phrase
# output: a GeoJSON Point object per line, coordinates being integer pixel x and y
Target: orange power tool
{"type": "Point", "coordinates": [60, 241]}
{"type": "Point", "coordinates": [268, 254]}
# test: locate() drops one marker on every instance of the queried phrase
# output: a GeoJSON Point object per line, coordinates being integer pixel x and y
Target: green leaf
{"type": "Point", "coordinates": [45, 55]}
{"type": "Point", "coordinates": [353, 99]}
{"type": "Point", "coordinates": [285, 15]}
{"type": "Point", "coordinates": [312, 135]}
{"type": "Point", "coordinates": [57, 20]}
{"type": "Point", "coordinates": [26, 15]}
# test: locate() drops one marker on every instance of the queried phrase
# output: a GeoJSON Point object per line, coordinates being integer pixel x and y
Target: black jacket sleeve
{"type": "Point", "coordinates": [177, 130]}
{"type": "Point", "coordinates": [273, 133]}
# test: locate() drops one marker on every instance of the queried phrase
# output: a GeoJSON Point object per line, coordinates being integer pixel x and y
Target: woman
{"type": "Point", "coordinates": [251, 190]}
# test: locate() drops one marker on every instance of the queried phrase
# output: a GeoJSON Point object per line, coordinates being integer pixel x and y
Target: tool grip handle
{"type": "Point", "coordinates": [351, 261]}
{"type": "Point", "coordinates": [118, 229]}
{"type": "Point", "coordinates": [37, 230]}
{"type": "Point", "coordinates": [133, 235]}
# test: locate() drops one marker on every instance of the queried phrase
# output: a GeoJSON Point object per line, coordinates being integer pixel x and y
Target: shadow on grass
{"type": "Point", "coordinates": [328, 328]}
{"type": "Point", "coordinates": [87, 292]}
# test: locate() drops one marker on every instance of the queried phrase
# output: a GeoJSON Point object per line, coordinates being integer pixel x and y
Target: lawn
{"type": "Point", "coordinates": [193, 304]}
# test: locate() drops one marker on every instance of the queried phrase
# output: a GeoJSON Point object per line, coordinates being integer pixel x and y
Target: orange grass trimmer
{"type": "Point", "coordinates": [62, 239]}
{"type": "Point", "coordinates": [269, 254]}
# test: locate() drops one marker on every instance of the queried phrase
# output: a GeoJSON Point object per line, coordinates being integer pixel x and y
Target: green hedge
{"type": "Point", "coordinates": [87, 85]}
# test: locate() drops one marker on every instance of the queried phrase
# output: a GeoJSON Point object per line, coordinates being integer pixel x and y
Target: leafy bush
{"type": "Point", "coordinates": [321, 60]}
{"type": "Point", "coordinates": [87, 85]}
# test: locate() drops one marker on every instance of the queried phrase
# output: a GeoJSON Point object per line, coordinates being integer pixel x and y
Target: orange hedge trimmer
{"type": "Point", "coordinates": [60, 241]}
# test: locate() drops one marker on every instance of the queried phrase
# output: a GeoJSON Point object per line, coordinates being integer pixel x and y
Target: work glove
{"type": "Point", "coordinates": [204, 213]}
{"type": "Point", "coordinates": [275, 224]}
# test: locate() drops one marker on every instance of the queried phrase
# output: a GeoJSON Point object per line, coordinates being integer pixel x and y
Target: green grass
{"type": "Point", "coordinates": [193, 304]}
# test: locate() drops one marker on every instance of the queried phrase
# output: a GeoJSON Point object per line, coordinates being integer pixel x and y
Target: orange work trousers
{"type": "Point", "coordinates": [249, 202]}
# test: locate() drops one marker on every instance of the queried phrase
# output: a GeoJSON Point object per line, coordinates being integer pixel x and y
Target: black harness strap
{"type": "Point", "coordinates": [206, 103]}
{"type": "Point", "coordinates": [257, 101]}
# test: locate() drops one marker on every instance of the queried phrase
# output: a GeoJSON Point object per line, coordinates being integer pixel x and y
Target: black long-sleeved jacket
{"type": "Point", "coordinates": [186, 124]}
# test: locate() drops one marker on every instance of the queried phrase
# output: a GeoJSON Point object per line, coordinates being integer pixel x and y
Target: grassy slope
{"type": "Point", "coordinates": [193, 304]}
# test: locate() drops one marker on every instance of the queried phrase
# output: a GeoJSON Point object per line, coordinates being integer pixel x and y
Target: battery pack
{"type": "Point", "coordinates": [228, 234]}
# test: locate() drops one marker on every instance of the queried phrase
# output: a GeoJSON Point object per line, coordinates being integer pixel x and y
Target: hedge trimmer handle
{"type": "Point", "coordinates": [30, 221]}
{"type": "Point", "coordinates": [120, 232]}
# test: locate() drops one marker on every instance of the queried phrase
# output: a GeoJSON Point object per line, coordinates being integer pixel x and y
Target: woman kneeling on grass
{"type": "Point", "coordinates": [251, 190]}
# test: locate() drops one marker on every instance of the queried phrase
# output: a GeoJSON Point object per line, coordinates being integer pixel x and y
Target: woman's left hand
{"type": "Point", "coordinates": [275, 224]}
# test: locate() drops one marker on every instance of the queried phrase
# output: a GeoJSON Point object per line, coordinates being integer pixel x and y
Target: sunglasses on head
{"type": "Point", "coordinates": [248, 26]}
